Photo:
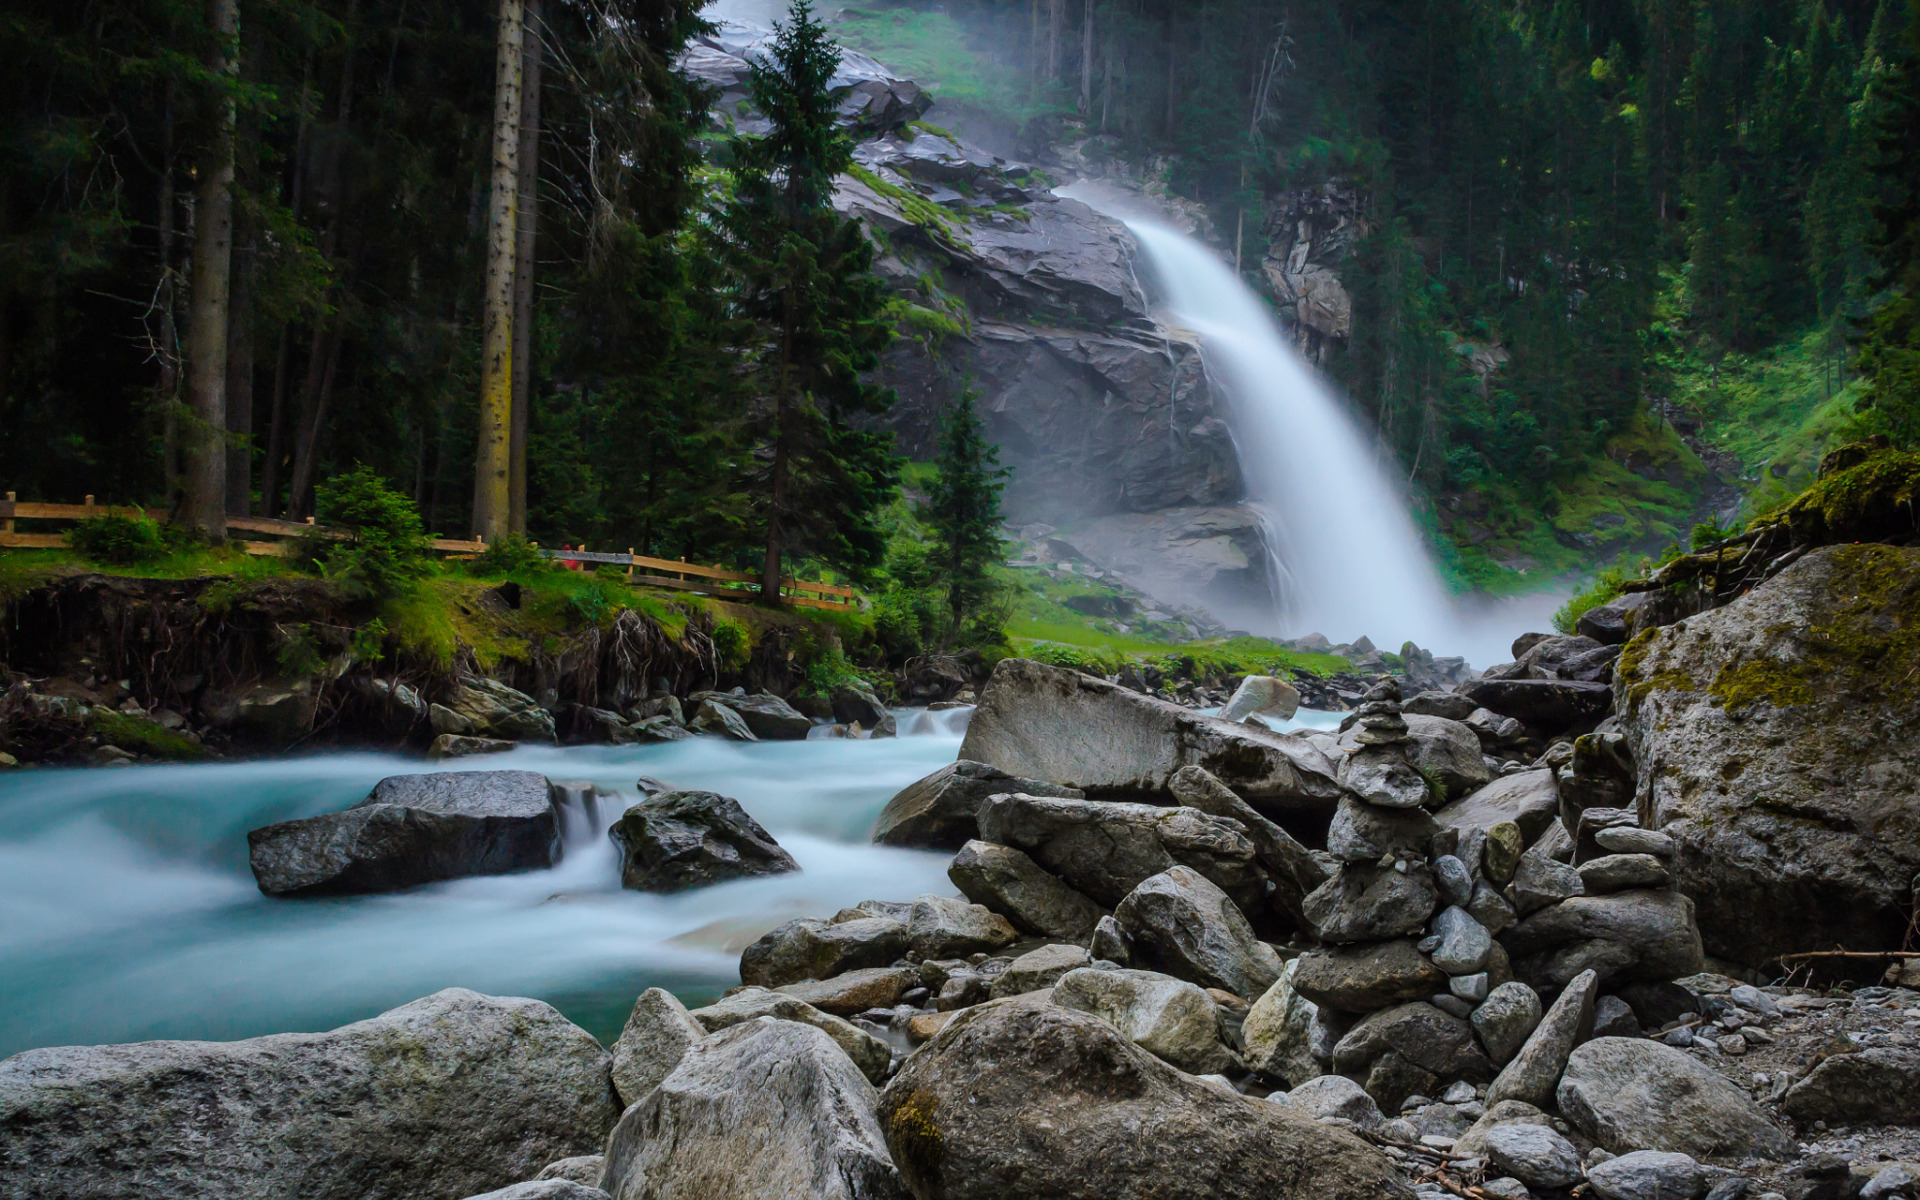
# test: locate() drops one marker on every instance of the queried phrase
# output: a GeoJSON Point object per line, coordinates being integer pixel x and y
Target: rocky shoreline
{"type": "Point", "coordinates": [1456, 948]}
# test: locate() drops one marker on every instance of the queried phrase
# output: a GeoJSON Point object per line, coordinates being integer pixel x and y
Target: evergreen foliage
{"type": "Point", "coordinates": [1890, 349]}
{"type": "Point", "coordinates": [811, 319]}
{"type": "Point", "coordinates": [387, 549]}
{"type": "Point", "coordinates": [963, 510]}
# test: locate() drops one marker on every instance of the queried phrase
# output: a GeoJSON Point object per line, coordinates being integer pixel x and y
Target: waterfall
{"type": "Point", "coordinates": [1347, 559]}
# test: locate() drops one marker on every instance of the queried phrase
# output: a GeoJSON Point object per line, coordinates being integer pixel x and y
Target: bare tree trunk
{"type": "Point", "coordinates": [168, 349]}
{"type": "Point", "coordinates": [276, 431]}
{"type": "Point", "coordinates": [1086, 61]}
{"type": "Point", "coordinates": [1173, 81]}
{"type": "Point", "coordinates": [323, 367]}
{"type": "Point", "coordinates": [240, 380]}
{"type": "Point", "coordinates": [529, 193]}
{"type": "Point", "coordinates": [491, 467]}
{"type": "Point", "coordinates": [1056, 26]}
{"type": "Point", "coordinates": [205, 477]}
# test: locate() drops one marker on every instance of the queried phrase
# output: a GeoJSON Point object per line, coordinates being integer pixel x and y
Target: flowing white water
{"type": "Point", "coordinates": [1347, 556]}
{"type": "Point", "coordinates": [127, 910]}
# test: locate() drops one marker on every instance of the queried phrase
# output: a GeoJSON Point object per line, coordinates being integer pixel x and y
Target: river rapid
{"type": "Point", "coordinates": [128, 912]}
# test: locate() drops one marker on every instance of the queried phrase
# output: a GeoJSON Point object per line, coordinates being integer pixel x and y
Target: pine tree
{"type": "Point", "coordinates": [1890, 348]}
{"type": "Point", "coordinates": [963, 508]}
{"type": "Point", "coordinates": [815, 315]}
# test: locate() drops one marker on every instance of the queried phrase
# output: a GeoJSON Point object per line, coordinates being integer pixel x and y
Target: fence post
{"type": "Point", "coordinates": [629, 564]}
{"type": "Point", "coordinates": [7, 527]}
{"type": "Point", "coordinates": [89, 504]}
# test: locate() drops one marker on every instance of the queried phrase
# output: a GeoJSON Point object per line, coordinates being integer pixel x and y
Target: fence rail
{"type": "Point", "coordinates": [674, 575]}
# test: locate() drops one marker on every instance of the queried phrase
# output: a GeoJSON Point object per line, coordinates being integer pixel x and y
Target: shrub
{"type": "Point", "coordinates": [123, 541]}
{"type": "Point", "coordinates": [511, 555]}
{"type": "Point", "coordinates": [387, 549]}
{"type": "Point", "coordinates": [1086, 659]}
{"type": "Point", "coordinates": [732, 643]}
{"type": "Point", "coordinates": [1607, 585]}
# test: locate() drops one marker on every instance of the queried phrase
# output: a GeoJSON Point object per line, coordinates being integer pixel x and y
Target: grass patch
{"type": "Point", "coordinates": [143, 737]}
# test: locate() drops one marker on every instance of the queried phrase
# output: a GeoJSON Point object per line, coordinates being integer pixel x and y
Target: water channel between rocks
{"type": "Point", "coordinates": [128, 912]}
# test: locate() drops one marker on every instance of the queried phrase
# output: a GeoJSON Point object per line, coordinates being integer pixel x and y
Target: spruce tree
{"type": "Point", "coordinates": [811, 319]}
{"type": "Point", "coordinates": [1890, 348]}
{"type": "Point", "coordinates": [963, 508]}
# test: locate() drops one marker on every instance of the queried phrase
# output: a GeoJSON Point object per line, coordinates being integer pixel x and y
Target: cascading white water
{"type": "Point", "coordinates": [1347, 555]}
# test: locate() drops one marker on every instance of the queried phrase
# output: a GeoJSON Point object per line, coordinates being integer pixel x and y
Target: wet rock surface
{"type": "Point", "coordinates": [678, 840]}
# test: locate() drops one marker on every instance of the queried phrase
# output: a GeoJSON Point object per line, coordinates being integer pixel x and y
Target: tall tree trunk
{"type": "Point", "coordinates": [529, 193]}
{"type": "Point", "coordinates": [205, 478]}
{"type": "Point", "coordinates": [1173, 81]}
{"type": "Point", "coordinates": [322, 368]}
{"type": "Point", "coordinates": [1086, 61]}
{"type": "Point", "coordinates": [168, 349]}
{"type": "Point", "coordinates": [240, 378]}
{"type": "Point", "coordinates": [1056, 26]}
{"type": "Point", "coordinates": [276, 430]}
{"type": "Point", "coordinates": [491, 469]}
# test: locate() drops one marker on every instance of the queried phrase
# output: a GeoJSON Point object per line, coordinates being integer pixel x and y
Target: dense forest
{"type": "Point", "coordinates": [501, 254]}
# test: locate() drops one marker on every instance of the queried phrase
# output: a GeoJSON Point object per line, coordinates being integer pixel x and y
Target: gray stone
{"type": "Point", "coordinates": [768, 1108]}
{"type": "Point", "coordinates": [1612, 623]}
{"type": "Point", "coordinates": [1021, 1099]}
{"type": "Point", "coordinates": [1549, 705]}
{"type": "Point", "coordinates": [1451, 1004]}
{"type": "Point", "coordinates": [1634, 840]}
{"type": "Point", "coordinates": [1289, 865]}
{"type": "Point", "coordinates": [1618, 872]}
{"type": "Point", "coordinates": [545, 1189]}
{"type": "Point", "coordinates": [855, 992]}
{"type": "Point", "coordinates": [1781, 796]}
{"type": "Point", "coordinates": [942, 927]}
{"type": "Point", "coordinates": [580, 1168]}
{"type": "Point", "coordinates": [939, 811]}
{"type": "Point", "coordinates": [1506, 1019]}
{"type": "Point", "coordinates": [679, 840]}
{"type": "Point", "coordinates": [1392, 1079]}
{"type": "Point", "coordinates": [1037, 969]}
{"type": "Point", "coordinates": [1277, 1032]}
{"type": "Point", "coordinates": [1105, 849]}
{"type": "Point", "coordinates": [1588, 825]}
{"type": "Point", "coordinates": [1490, 908]}
{"type": "Point", "coordinates": [1536, 1069]}
{"type": "Point", "coordinates": [1535, 1155]}
{"type": "Point", "coordinates": [1382, 776]}
{"type": "Point", "coordinates": [1876, 1086]}
{"type": "Point", "coordinates": [1371, 903]}
{"type": "Point", "coordinates": [1473, 988]}
{"type": "Point", "coordinates": [1451, 705]}
{"type": "Point", "coordinates": [1613, 1017]}
{"type": "Point", "coordinates": [768, 716]}
{"type": "Point", "coordinates": [1169, 1018]}
{"type": "Point", "coordinates": [657, 1034]}
{"type": "Point", "coordinates": [1626, 937]}
{"type": "Point", "coordinates": [411, 830]}
{"type": "Point", "coordinates": [1430, 1039]}
{"type": "Point", "coordinates": [1262, 696]}
{"type": "Point", "coordinates": [1179, 921]}
{"type": "Point", "coordinates": [808, 948]}
{"type": "Point", "coordinates": [1453, 879]}
{"type": "Point", "coordinates": [1889, 1182]}
{"type": "Point", "coordinates": [1464, 942]}
{"type": "Point", "coordinates": [1503, 848]}
{"type": "Point", "coordinates": [492, 709]}
{"type": "Point", "coordinates": [1363, 832]}
{"type": "Point", "coordinates": [451, 1095]}
{"type": "Point", "coordinates": [865, 1051]}
{"type": "Point", "coordinates": [1360, 979]}
{"type": "Point", "coordinates": [1649, 1175]}
{"type": "Point", "coordinates": [1051, 723]}
{"type": "Point", "coordinates": [1110, 942]}
{"type": "Point", "coordinates": [1539, 882]}
{"type": "Point", "coordinates": [1754, 1000]}
{"type": "Point", "coordinates": [1447, 752]}
{"type": "Point", "coordinates": [1504, 1188]}
{"type": "Point", "coordinates": [1335, 1096]}
{"type": "Point", "coordinates": [453, 745]}
{"type": "Point", "coordinates": [1473, 1143]}
{"type": "Point", "coordinates": [1635, 1094]}
{"type": "Point", "coordinates": [713, 717]}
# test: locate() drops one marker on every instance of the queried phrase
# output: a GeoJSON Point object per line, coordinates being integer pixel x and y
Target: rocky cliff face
{"type": "Point", "coordinates": [1107, 417]}
{"type": "Point", "coordinates": [1310, 232]}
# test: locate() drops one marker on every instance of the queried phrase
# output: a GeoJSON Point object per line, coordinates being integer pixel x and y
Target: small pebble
{"type": "Point", "coordinates": [1506, 1188]}
{"type": "Point", "coordinates": [1734, 1044]}
{"type": "Point", "coordinates": [1458, 1093]}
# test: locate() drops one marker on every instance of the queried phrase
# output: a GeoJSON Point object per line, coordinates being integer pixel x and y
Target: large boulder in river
{"type": "Point", "coordinates": [1015, 1098]}
{"type": "Point", "coordinates": [1105, 848]}
{"type": "Point", "coordinates": [449, 1096]}
{"type": "Point", "coordinates": [413, 829]}
{"type": "Point", "coordinates": [809, 948]}
{"type": "Point", "coordinates": [678, 840]}
{"type": "Point", "coordinates": [767, 1110]}
{"type": "Point", "coordinates": [1774, 740]}
{"type": "Point", "coordinates": [938, 812]}
{"type": "Point", "coordinates": [768, 716]}
{"type": "Point", "coordinates": [1052, 723]}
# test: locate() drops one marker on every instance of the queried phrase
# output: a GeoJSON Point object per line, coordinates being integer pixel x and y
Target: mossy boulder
{"type": "Point", "coordinates": [1775, 739]}
{"type": "Point", "coordinates": [1865, 493]}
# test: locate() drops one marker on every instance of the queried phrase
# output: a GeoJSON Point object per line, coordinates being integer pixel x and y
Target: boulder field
{"type": "Point", "coordinates": [1190, 958]}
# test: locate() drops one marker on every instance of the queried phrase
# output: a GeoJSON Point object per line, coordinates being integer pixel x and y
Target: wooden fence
{"type": "Point", "coordinates": [681, 575]}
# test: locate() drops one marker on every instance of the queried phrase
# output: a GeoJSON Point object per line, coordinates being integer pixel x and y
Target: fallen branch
{"type": "Point", "coordinates": [1879, 954]}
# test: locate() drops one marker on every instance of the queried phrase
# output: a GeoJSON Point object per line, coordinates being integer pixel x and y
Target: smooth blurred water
{"type": "Point", "coordinates": [127, 911]}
